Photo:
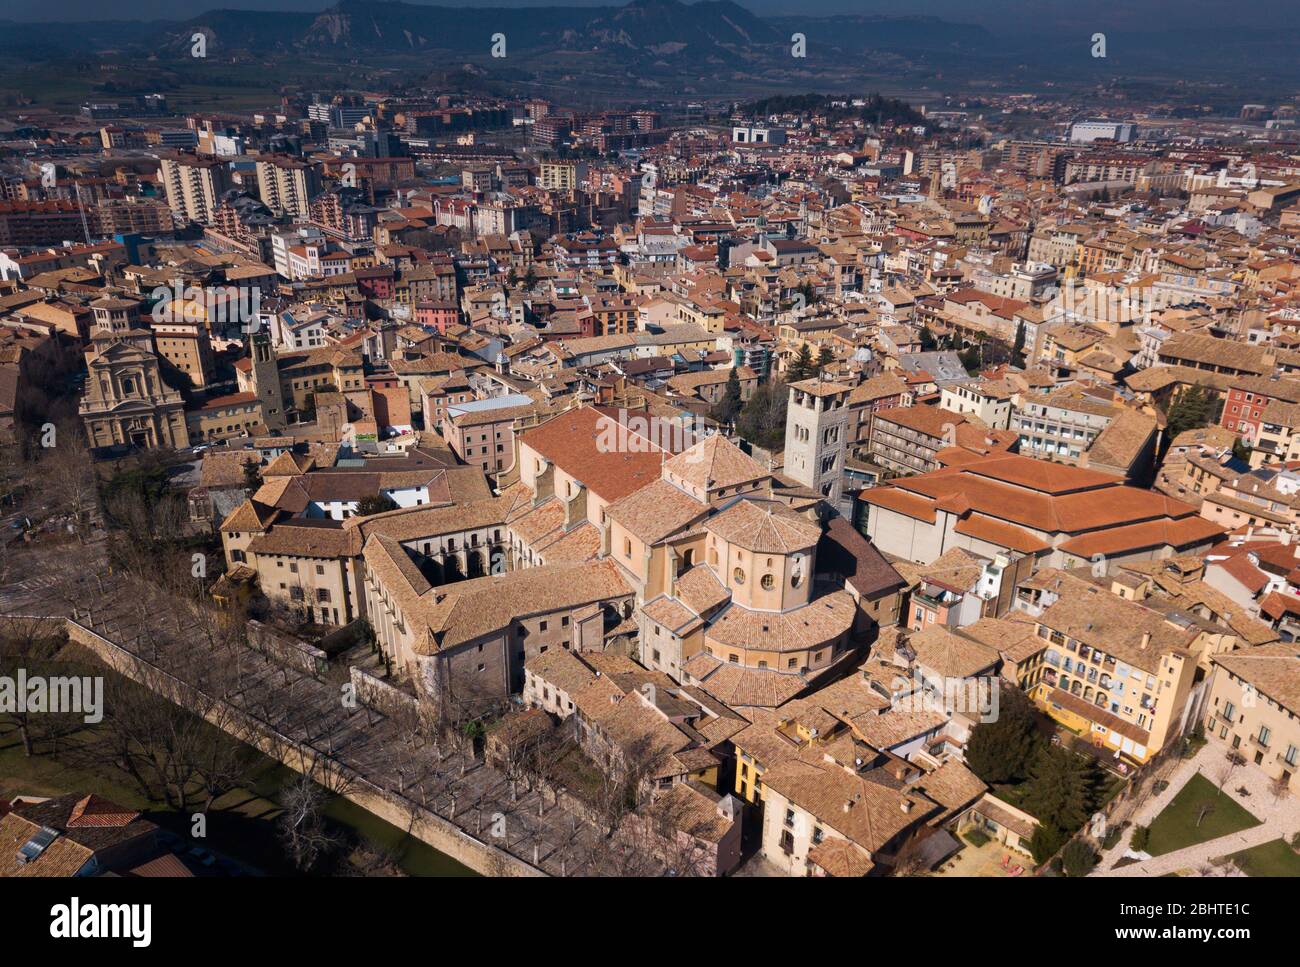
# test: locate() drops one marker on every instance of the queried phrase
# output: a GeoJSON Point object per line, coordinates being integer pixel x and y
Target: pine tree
{"type": "Point", "coordinates": [727, 409]}
{"type": "Point", "coordinates": [1045, 842]}
{"type": "Point", "coordinates": [1062, 788]}
{"type": "Point", "coordinates": [762, 419]}
{"type": "Point", "coordinates": [1001, 751]}
{"type": "Point", "coordinates": [1018, 348]}
{"type": "Point", "coordinates": [1190, 411]}
{"type": "Point", "coordinates": [825, 358]}
{"type": "Point", "coordinates": [802, 367]}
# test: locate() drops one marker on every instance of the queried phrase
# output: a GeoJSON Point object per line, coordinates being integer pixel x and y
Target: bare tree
{"type": "Point", "coordinates": [307, 835]}
{"type": "Point", "coordinates": [1232, 761]}
{"type": "Point", "coordinates": [68, 476]}
{"type": "Point", "coordinates": [31, 646]}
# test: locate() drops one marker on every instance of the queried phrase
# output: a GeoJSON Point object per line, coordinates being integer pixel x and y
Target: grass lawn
{"type": "Point", "coordinates": [1274, 858]}
{"type": "Point", "coordinates": [49, 775]}
{"type": "Point", "coordinates": [1175, 828]}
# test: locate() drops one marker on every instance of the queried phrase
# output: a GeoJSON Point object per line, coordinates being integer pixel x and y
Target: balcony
{"type": "Point", "coordinates": [1262, 743]}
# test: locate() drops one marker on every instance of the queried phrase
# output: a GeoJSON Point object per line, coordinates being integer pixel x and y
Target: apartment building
{"type": "Point", "coordinates": [989, 400]}
{"type": "Point", "coordinates": [286, 185]}
{"type": "Point", "coordinates": [194, 186]}
{"type": "Point", "coordinates": [481, 432]}
{"type": "Point", "coordinates": [908, 440]}
{"type": "Point", "coordinates": [223, 417]}
{"type": "Point", "coordinates": [1253, 707]}
{"type": "Point", "coordinates": [1115, 671]}
{"type": "Point", "coordinates": [1074, 427]}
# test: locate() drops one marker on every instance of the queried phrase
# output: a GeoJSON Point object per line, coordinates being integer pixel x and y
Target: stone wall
{"type": "Point", "coordinates": [387, 804]}
{"type": "Point", "coordinates": [284, 649]}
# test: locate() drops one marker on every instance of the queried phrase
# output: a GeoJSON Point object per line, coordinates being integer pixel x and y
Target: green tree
{"type": "Point", "coordinates": [928, 342]}
{"type": "Point", "coordinates": [1045, 842]}
{"type": "Point", "coordinates": [802, 367]}
{"type": "Point", "coordinates": [1062, 788]}
{"type": "Point", "coordinates": [1138, 841]}
{"type": "Point", "coordinates": [374, 504]}
{"type": "Point", "coordinates": [1018, 347]}
{"type": "Point", "coordinates": [1078, 858]}
{"type": "Point", "coordinates": [1190, 411]}
{"type": "Point", "coordinates": [762, 419]}
{"type": "Point", "coordinates": [728, 408]}
{"type": "Point", "coordinates": [252, 475]}
{"type": "Point", "coordinates": [825, 358]}
{"type": "Point", "coordinates": [1001, 751]}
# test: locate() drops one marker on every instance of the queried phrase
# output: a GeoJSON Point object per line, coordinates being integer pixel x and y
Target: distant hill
{"type": "Point", "coordinates": [371, 26]}
{"type": "Point", "coordinates": [646, 44]}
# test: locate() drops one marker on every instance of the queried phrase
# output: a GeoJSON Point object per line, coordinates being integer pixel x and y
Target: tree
{"type": "Point", "coordinates": [252, 476]}
{"type": "Point", "coordinates": [1231, 763]}
{"type": "Point", "coordinates": [762, 419]}
{"type": "Point", "coordinates": [728, 408]}
{"type": "Point", "coordinates": [928, 342]}
{"type": "Point", "coordinates": [1018, 347]}
{"type": "Point", "coordinates": [1189, 412]}
{"type": "Point", "coordinates": [1045, 842]}
{"type": "Point", "coordinates": [1078, 858]}
{"type": "Point", "coordinates": [374, 504]}
{"type": "Point", "coordinates": [307, 835]}
{"type": "Point", "coordinates": [802, 367]}
{"type": "Point", "coordinates": [1062, 788]}
{"type": "Point", "coordinates": [1002, 750]}
{"type": "Point", "coordinates": [68, 475]}
{"type": "Point", "coordinates": [1138, 841]}
{"type": "Point", "coordinates": [825, 358]}
{"type": "Point", "coordinates": [32, 646]}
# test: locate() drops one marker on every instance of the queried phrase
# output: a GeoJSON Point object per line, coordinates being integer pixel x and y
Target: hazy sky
{"type": "Point", "coordinates": [1010, 15]}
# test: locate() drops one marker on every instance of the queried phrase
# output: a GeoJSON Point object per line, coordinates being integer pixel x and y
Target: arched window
{"type": "Point", "coordinates": [768, 582]}
{"type": "Point", "coordinates": [738, 575]}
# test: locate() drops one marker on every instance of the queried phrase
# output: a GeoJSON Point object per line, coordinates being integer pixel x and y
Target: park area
{"type": "Point", "coordinates": [1199, 813]}
{"type": "Point", "coordinates": [1274, 858]}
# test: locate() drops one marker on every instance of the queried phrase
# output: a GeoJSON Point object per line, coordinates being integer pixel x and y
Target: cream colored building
{"type": "Point", "coordinates": [126, 401]}
{"type": "Point", "coordinates": [194, 186]}
{"type": "Point", "coordinates": [1254, 707]}
{"type": "Point", "coordinates": [287, 185]}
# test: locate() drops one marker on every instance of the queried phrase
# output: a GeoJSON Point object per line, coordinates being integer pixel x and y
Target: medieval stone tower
{"type": "Point", "coordinates": [266, 381]}
{"type": "Point", "coordinates": [816, 436]}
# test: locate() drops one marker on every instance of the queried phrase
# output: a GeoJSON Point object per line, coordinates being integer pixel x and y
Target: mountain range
{"type": "Point", "coordinates": [656, 27]}
{"type": "Point", "coordinates": [645, 43]}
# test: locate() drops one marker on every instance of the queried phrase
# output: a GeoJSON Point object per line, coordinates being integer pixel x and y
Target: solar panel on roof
{"type": "Point", "coordinates": [31, 850]}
